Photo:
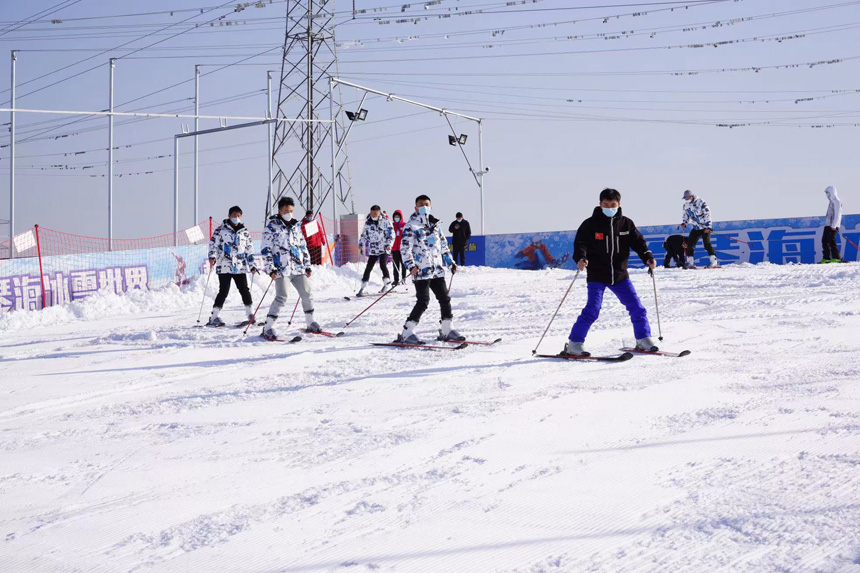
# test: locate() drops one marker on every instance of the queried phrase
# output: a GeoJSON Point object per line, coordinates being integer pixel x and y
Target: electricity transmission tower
{"type": "Point", "coordinates": [302, 153]}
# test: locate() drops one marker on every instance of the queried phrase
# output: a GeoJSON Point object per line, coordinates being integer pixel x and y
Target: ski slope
{"type": "Point", "coordinates": [131, 441]}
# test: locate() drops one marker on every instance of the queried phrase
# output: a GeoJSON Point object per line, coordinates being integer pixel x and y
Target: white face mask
{"type": "Point", "coordinates": [425, 210]}
{"type": "Point", "coordinates": [287, 216]}
{"type": "Point", "coordinates": [372, 218]}
{"type": "Point", "coordinates": [460, 220]}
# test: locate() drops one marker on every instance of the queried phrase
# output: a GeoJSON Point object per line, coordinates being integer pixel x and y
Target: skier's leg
{"type": "Point", "coordinates": [834, 248]}
{"type": "Point", "coordinates": [706, 241]}
{"type": "Point", "coordinates": [242, 284]}
{"type": "Point", "coordinates": [825, 244]}
{"type": "Point", "coordinates": [440, 290]}
{"type": "Point", "coordinates": [691, 242]}
{"type": "Point", "coordinates": [223, 290]}
{"type": "Point", "coordinates": [589, 314]}
{"type": "Point", "coordinates": [371, 260]}
{"type": "Point", "coordinates": [302, 284]}
{"type": "Point", "coordinates": [383, 264]}
{"type": "Point", "coordinates": [422, 296]}
{"type": "Point", "coordinates": [626, 293]}
{"type": "Point", "coordinates": [277, 304]}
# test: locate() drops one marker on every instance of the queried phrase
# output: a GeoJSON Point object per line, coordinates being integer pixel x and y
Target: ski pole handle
{"type": "Point", "coordinates": [556, 311]}
{"type": "Point", "coordinates": [259, 304]}
{"type": "Point", "coordinates": [202, 302]}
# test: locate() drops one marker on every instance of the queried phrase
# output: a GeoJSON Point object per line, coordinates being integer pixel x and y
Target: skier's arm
{"type": "Point", "coordinates": [640, 245]}
{"type": "Point", "coordinates": [266, 251]}
{"type": "Point", "coordinates": [579, 245]}
{"type": "Point", "coordinates": [249, 254]}
{"type": "Point", "coordinates": [468, 230]}
{"type": "Point", "coordinates": [705, 216]}
{"type": "Point", "coordinates": [362, 240]}
{"type": "Point", "coordinates": [451, 227]}
{"type": "Point", "coordinates": [837, 213]}
{"type": "Point", "coordinates": [443, 246]}
{"type": "Point", "coordinates": [306, 255]}
{"type": "Point", "coordinates": [389, 236]}
{"type": "Point", "coordinates": [406, 243]}
{"type": "Point", "coordinates": [215, 243]}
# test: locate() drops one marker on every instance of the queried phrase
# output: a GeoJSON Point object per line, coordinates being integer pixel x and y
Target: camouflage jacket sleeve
{"type": "Point", "coordinates": [443, 247]}
{"type": "Point", "coordinates": [266, 250]}
{"type": "Point", "coordinates": [215, 243]}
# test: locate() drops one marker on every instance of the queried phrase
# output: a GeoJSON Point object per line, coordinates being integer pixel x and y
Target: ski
{"type": "Point", "coordinates": [471, 342]}
{"type": "Point", "coordinates": [323, 333]}
{"type": "Point", "coordinates": [620, 358]}
{"type": "Point", "coordinates": [209, 326]}
{"type": "Point", "coordinates": [291, 340]}
{"type": "Point", "coordinates": [242, 324]}
{"type": "Point", "coordinates": [658, 353]}
{"type": "Point", "coordinates": [422, 346]}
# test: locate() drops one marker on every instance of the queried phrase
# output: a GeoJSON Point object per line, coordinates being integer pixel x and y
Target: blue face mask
{"type": "Point", "coordinates": [610, 212]}
{"type": "Point", "coordinates": [235, 220]}
{"type": "Point", "coordinates": [423, 210]}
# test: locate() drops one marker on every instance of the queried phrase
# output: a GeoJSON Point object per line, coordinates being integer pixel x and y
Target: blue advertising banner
{"type": "Point", "coordinates": [474, 251]}
{"type": "Point", "coordinates": [778, 241]}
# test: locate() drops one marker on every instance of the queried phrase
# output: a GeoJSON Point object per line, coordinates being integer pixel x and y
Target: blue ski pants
{"type": "Point", "coordinates": [628, 297]}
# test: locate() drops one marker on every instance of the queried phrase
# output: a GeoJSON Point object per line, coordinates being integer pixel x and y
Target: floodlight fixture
{"type": "Point", "coordinates": [457, 140]}
{"type": "Point", "coordinates": [360, 115]}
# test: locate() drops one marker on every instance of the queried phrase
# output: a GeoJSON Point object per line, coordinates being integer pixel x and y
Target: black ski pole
{"type": "Point", "coordinates": [254, 316]}
{"type": "Point", "coordinates": [202, 302]}
{"type": "Point", "coordinates": [556, 310]}
{"type": "Point", "coordinates": [656, 304]}
{"type": "Point", "coordinates": [388, 292]}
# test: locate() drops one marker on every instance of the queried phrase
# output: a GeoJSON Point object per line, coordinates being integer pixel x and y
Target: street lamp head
{"type": "Point", "coordinates": [359, 115]}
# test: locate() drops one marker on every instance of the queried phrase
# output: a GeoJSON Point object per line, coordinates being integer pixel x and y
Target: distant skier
{"type": "Point", "coordinates": [231, 252]}
{"type": "Point", "coordinates": [697, 214]}
{"type": "Point", "coordinates": [676, 250]}
{"type": "Point", "coordinates": [287, 260]}
{"type": "Point", "coordinates": [832, 222]}
{"type": "Point", "coordinates": [314, 241]}
{"type": "Point", "coordinates": [425, 254]}
{"type": "Point", "coordinates": [461, 232]}
{"type": "Point", "coordinates": [398, 224]}
{"type": "Point", "coordinates": [377, 238]}
{"type": "Point", "coordinates": [602, 246]}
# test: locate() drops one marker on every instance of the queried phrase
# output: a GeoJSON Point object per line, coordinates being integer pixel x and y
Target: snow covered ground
{"type": "Point", "coordinates": [130, 441]}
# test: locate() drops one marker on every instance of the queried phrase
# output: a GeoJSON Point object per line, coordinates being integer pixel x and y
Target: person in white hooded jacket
{"type": "Point", "coordinates": [832, 222]}
{"type": "Point", "coordinates": [425, 255]}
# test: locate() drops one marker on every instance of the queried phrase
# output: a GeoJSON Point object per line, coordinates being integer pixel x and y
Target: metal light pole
{"type": "Point", "coordinates": [270, 136]}
{"type": "Point", "coordinates": [481, 167]}
{"type": "Point", "coordinates": [110, 159]}
{"type": "Point", "coordinates": [333, 159]}
{"type": "Point", "coordinates": [175, 191]}
{"type": "Point", "coordinates": [196, 128]}
{"type": "Point", "coordinates": [12, 155]}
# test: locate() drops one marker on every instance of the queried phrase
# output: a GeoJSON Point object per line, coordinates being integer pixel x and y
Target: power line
{"type": "Point", "coordinates": [46, 12]}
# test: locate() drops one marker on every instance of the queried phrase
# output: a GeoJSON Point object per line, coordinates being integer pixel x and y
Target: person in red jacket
{"type": "Point", "coordinates": [314, 241]}
{"type": "Point", "coordinates": [399, 269]}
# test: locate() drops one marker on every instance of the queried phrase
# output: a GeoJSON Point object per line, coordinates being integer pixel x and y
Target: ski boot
{"type": "Point", "coordinates": [408, 335]}
{"type": "Point", "coordinates": [385, 286]}
{"type": "Point", "coordinates": [572, 348]}
{"type": "Point", "coordinates": [646, 344]}
{"type": "Point", "coordinates": [269, 328]}
{"type": "Point", "coordinates": [713, 264]}
{"type": "Point", "coordinates": [216, 322]}
{"type": "Point", "coordinates": [448, 334]}
{"type": "Point", "coordinates": [361, 290]}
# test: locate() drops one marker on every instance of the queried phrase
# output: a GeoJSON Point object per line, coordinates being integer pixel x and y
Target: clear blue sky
{"type": "Point", "coordinates": [568, 110]}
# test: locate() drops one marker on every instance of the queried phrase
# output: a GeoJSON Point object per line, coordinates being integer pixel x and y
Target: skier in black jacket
{"type": "Point", "coordinates": [461, 232]}
{"type": "Point", "coordinates": [602, 246]}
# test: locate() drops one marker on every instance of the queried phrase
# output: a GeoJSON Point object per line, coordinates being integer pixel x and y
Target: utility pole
{"type": "Point", "coordinates": [110, 158]}
{"type": "Point", "coordinates": [196, 128]}
{"type": "Point", "coordinates": [12, 154]}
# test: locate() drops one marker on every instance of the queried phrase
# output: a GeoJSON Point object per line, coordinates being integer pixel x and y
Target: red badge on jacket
{"type": "Point", "coordinates": [598, 236]}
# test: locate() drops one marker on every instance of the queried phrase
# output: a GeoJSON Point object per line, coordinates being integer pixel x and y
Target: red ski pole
{"type": "Point", "coordinates": [853, 244]}
{"type": "Point", "coordinates": [730, 238]}
{"type": "Point", "coordinates": [388, 292]}
{"type": "Point", "coordinates": [254, 316]}
{"type": "Point", "coordinates": [294, 311]}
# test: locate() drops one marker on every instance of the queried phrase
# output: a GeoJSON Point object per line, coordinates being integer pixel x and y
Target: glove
{"type": "Point", "coordinates": [254, 271]}
{"type": "Point", "coordinates": [212, 261]}
{"type": "Point", "coordinates": [308, 272]}
{"type": "Point", "coordinates": [453, 269]}
{"type": "Point", "coordinates": [273, 274]}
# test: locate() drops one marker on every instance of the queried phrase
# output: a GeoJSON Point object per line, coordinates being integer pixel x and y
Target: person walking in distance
{"type": "Point", "coordinates": [377, 238]}
{"type": "Point", "coordinates": [601, 248]}
{"type": "Point", "coordinates": [314, 240]}
{"type": "Point", "coordinates": [398, 224]}
{"type": "Point", "coordinates": [832, 222]}
{"type": "Point", "coordinates": [287, 261]}
{"type": "Point", "coordinates": [697, 215]}
{"type": "Point", "coordinates": [461, 232]}
{"type": "Point", "coordinates": [426, 255]}
{"type": "Point", "coordinates": [231, 252]}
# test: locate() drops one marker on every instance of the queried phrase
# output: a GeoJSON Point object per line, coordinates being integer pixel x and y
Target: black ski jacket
{"type": "Point", "coordinates": [461, 232]}
{"type": "Point", "coordinates": [605, 243]}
